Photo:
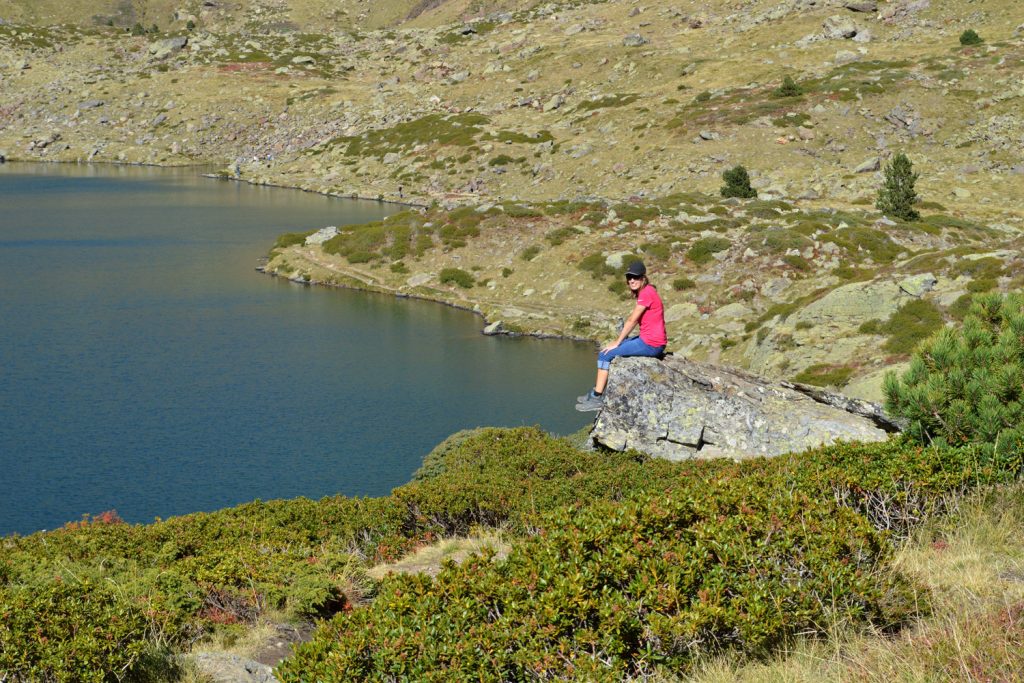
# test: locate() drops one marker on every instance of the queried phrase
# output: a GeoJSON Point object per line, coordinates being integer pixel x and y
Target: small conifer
{"type": "Point", "coordinates": [970, 37]}
{"type": "Point", "coordinates": [190, 25]}
{"type": "Point", "coordinates": [789, 88]}
{"type": "Point", "coordinates": [138, 30]}
{"type": "Point", "coordinates": [967, 385]}
{"type": "Point", "coordinates": [737, 183]}
{"type": "Point", "coordinates": [897, 197]}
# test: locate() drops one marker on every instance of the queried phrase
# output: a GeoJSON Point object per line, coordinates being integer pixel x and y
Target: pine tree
{"type": "Point", "coordinates": [967, 385]}
{"type": "Point", "coordinates": [896, 198]}
{"type": "Point", "coordinates": [970, 37]}
{"type": "Point", "coordinates": [789, 88]}
{"type": "Point", "coordinates": [737, 183]}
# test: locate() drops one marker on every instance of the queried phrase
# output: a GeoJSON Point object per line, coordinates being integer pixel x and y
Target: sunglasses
{"type": "Point", "coordinates": [633, 277]}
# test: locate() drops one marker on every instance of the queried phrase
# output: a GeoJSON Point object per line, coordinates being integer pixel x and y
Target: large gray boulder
{"type": "Point", "coordinates": [681, 410]}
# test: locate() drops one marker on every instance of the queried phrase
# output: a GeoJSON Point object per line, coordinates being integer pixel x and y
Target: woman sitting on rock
{"type": "Point", "coordinates": [650, 315]}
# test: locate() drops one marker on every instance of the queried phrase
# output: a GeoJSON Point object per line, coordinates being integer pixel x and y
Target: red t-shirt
{"type": "Point", "coordinates": [652, 321]}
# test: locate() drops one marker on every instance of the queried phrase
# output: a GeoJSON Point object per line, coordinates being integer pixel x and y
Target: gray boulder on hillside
{"type": "Point", "coordinates": [681, 410]}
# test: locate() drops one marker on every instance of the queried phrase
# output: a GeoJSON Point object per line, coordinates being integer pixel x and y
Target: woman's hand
{"type": "Point", "coordinates": [609, 346]}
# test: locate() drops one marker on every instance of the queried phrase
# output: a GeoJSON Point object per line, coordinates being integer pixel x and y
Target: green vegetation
{"type": "Point", "coordinates": [704, 249]}
{"type": "Point", "coordinates": [456, 276]}
{"type": "Point", "coordinates": [737, 183]}
{"type": "Point", "coordinates": [459, 130]}
{"type": "Point", "coordinates": [970, 37]}
{"type": "Point", "coordinates": [595, 265]}
{"type": "Point", "coordinates": [530, 252]}
{"type": "Point", "coordinates": [824, 375]}
{"type": "Point", "coordinates": [966, 385]}
{"type": "Point", "coordinates": [897, 197]}
{"type": "Point", "coordinates": [914, 322]}
{"type": "Point", "coordinates": [789, 88]}
{"type": "Point", "coordinates": [290, 239]}
{"type": "Point", "coordinates": [559, 235]}
{"type": "Point", "coordinates": [683, 283]}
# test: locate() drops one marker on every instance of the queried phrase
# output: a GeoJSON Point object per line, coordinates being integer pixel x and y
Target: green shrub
{"type": "Point", "coordinates": [683, 283]}
{"type": "Point", "coordinates": [911, 324]}
{"type": "Point", "coordinates": [737, 183]}
{"type": "Point", "coordinates": [456, 276]}
{"type": "Point", "coordinates": [559, 235]}
{"type": "Point", "coordinates": [970, 37]}
{"type": "Point", "coordinates": [290, 239]}
{"type": "Point", "coordinates": [897, 197]}
{"type": "Point", "coordinates": [789, 88]}
{"type": "Point", "coordinates": [505, 272]}
{"type": "Point", "coordinates": [596, 265]}
{"type": "Point", "coordinates": [824, 375]}
{"type": "Point", "coordinates": [966, 384]}
{"type": "Point", "coordinates": [530, 252]}
{"type": "Point", "coordinates": [69, 631]}
{"type": "Point", "coordinates": [702, 250]}
{"type": "Point", "coordinates": [138, 30]}
{"type": "Point", "coordinates": [619, 590]}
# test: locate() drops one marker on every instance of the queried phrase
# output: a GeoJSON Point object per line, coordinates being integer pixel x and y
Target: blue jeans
{"type": "Point", "coordinates": [633, 346]}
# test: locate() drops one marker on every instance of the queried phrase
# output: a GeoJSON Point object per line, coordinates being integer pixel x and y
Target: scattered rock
{"type": "Point", "coordinates": [616, 260]}
{"type": "Point", "coordinates": [838, 27]}
{"type": "Point", "coordinates": [861, 5]}
{"type": "Point", "coordinates": [162, 49]}
{"type": "Point", "coordinates": [680, 311]}
{"type": "Point", "coordinates": [494, 328]}
{"type": "Point", "coordinates": [869, 165]}
{"type": "Point", "coordinates": [634, 40]}
{"type": "Point", "coordinates": [919, 285]}
{"type": "Point", "coordinates": [961, 193]}
{"type": "Point", "coordinates": [392, 158]}
{"type": "Point", "coordinates": [303, 59]}
{"type": "Point", "coordinates": [419, 279]}
{"type": "Point", "coordinates": [227, 668]}
{"type": "Point", "coordinates": [708, 135]}
{"type": "Point", "coordinates": [91, 104]}
{"type": "Point", "coordinates": [322, 235]}
{"type": "Point", "coordinates": [555, 102]}
{"type": "Point", "coordinates": [682, 410]}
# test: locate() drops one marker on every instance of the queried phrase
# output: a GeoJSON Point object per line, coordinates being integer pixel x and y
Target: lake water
{"type": "Point", "coordinates": [146, 367]}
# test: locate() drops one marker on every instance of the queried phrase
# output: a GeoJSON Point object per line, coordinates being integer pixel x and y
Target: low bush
{"type": "Point", "coordinates": [615, 590]}
{"type": "Point", "coordinates": [703, 250]}
{"type": "Point", "coordinates": [683, 283]}
{"type": "Point", "coordinates": [914, 322]}
{"type": "Point", "coordinates": [69, 630]}
{"type": "Point", "coordinates": [530, 252]}
{"type": "Point", "coordinates": [596, 265]}
{"type": "Point", "coordinates": [457, 276]}
{"type": "Point", "coordinates": [970, 37]}
{"type": "Point", "coordinates": [789, 88]}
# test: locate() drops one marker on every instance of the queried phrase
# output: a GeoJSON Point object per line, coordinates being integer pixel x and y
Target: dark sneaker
{"type": "Point", "coordinates": [584, 397]}
{"type": "Point", "coordinates": [590, 403]}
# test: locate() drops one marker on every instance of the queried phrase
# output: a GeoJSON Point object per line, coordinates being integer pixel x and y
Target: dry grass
{"type": "Point", "coordinates": [429, 559]}
{"type": "Point", "coordinates": [973, 563]}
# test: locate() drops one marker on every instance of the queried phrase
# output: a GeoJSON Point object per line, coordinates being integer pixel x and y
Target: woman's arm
{"type": "Point", "coordinates": [627, 327]}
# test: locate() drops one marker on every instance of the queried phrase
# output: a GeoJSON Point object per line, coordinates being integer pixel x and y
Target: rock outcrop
{"type": "Point", "coordinates": [679, 409]}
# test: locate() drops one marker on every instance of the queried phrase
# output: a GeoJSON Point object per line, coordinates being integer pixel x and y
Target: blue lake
{"type": "Point", "coordinates": [146, 367]}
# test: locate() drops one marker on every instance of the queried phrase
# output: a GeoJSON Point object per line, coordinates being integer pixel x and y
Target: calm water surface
{"type": "Point", "coordinates": [146, 367]}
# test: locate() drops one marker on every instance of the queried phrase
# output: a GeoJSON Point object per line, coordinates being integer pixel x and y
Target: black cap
{"type": "Point", "coordinates": [637, 268]}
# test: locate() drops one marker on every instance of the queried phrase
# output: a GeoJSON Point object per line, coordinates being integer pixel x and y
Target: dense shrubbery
{"type": "Point", "coordinates": [622, 564]}
{"type": "Point", "coordinates": [70, 630]}
{"type": "Point", "coordinates": [602, 591]}
{"type": "Point", "coordinates": [607, 590]}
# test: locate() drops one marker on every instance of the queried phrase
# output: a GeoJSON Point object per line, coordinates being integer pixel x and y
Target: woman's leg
{"type": "Point", "coordinates": [630, 347]}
